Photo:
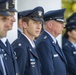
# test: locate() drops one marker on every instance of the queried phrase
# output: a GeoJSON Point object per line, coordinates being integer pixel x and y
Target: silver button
{"type": "Point", "coordinates": [2, 50]}
{"type": "Point", "coordinates": [5, 54]}
{"type": "Point", "coordinates": [19, 44]}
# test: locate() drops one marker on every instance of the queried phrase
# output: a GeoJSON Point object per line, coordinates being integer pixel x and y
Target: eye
{"type": "Point", "coordinates": [34, 22]}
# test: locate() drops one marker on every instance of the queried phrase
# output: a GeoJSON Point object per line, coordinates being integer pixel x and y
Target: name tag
{"type": "Point", "coordinates": [32, 62]}
{"type": "Point", "coordinates": [55, 55]}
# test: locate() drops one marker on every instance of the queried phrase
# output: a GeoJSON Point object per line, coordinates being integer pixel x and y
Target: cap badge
{"type": "Point", "coordinates": [7, 5]}
{"type": "Point", "coordinates": [40, 13]}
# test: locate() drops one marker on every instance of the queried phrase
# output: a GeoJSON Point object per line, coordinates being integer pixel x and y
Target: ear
{"type": "Point", "coordinates": [24, 24]}
{"type": "Point", "coordinates": [69, 33]}
{"type": "Point", "coordinates": [50, 24]}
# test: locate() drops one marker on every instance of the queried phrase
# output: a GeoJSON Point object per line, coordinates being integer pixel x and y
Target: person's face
{"type": "Point", "coordinates": [57, 27]}
{"type": "Point", "coordinates": [72, 34]}
{"type": "Point", "coordinates": [3, 26]}
{"type": "Point", "coordinates": [11, 20]}
{"type": "Point", "coordinates": [20, 23]}
{"type": "Point", "coordinates": [34, 28]}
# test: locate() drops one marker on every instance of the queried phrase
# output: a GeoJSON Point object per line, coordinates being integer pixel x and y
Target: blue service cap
{"type": "Point", "coordinates": [70, 25]}
{"type": "Point", "coordinates": [12, 6]}
{"type": "Point", "coordinates": [57, 15]}
{"type": "Point", "coordinates": [22, 13]}
{"type": "Point", "coordinates": [35, 14]}
{"type": "Point", "coordinates": [2, 1]}
{"type": "Point", "coordinates": [4, 5]}
{"type": "Point", "coordinates": [72, 18]}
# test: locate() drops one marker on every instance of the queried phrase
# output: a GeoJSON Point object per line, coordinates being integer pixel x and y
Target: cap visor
{"type": "Point", "coordinates": [38, 19]}
{"type": "Point", "coordinates": [5, 13]}
{"type": "Point", "coordinates": [61, 20]}
{"type": "Point", "coordinates": [12, 10]}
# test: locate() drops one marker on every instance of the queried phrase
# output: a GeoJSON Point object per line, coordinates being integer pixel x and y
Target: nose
{"type": "Point", "coordinates": [39, 25]}
{"type": "Point", "coordinates": [13, 19]}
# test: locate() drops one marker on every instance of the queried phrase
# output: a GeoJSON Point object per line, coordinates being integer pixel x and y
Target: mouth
{"type": "Point", "coordinates": [11, 23]}
{"type": "Point", "coordinates": [5, 30]}
{"type": "Point", "coordinates": [38, 32]}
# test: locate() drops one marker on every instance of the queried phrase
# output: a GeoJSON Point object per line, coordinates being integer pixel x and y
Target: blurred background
{"type": "Point", "coordinates": [70, 5]}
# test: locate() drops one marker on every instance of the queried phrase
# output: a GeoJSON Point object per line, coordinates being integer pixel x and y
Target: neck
{"type": "Point", "coordinates": [29, 36]}
{"type": "Point", "coordinates": [71, 40]}
{"type": "Point", "coordinates": [52, 33]}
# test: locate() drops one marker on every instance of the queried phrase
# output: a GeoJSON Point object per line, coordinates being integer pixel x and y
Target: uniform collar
{"type": "Point", "coordinates": [31, 42]}
{"type": "Point", "coordinates": [54, 39]}
{"type": "Point", "coordinates": [4, 40]}
{"type": "Point", "coordinates": [20, 30]}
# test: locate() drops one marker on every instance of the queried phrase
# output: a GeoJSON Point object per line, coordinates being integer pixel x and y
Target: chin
{"type": "Point", "coordinates": [10, 28]}
{"type": "Point", "coordinates": [4, 35]}
{"type": "Point", "coordinates": [36, 35]}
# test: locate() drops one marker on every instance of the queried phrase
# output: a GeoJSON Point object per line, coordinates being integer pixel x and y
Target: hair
{"type": "Point", "coordinates": [25, 19]}
{"type": "Point", "coordinates": [66, 32]}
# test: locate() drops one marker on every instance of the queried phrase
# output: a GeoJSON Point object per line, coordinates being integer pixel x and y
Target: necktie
{"type": "Point", "coordinates": [10, 52]}
{"type": "Point", "coordinates": [60, 49]}
{"type": "Point", "coordinates": [8, 46]}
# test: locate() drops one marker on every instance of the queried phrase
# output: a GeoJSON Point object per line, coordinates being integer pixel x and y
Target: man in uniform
{"type": "Point", "coordinates": [3, 31]}
{"type": "Point", "coordinates": [20, 28]}
{"type": "Point", "coordinates": [27, 57]}
{"type": "Point", "coordinates": [52, 59]}
{"type": "Point", "coordinates": [12, 10]}
{"type": "Point", "coordinates": [8, 54]}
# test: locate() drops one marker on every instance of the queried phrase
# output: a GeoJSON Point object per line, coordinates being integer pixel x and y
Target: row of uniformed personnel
{"type": "Point", "coordinates": [53, 60]}
{"type": "Point", "coordinates": [42, 56]}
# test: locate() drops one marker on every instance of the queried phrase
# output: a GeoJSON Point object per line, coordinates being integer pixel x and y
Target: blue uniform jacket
{"type": "Point", "coordinates": [27, 57]}
{"type": "Point", "coordinates": [9, 60]}
{"type": "Point", "coordinates": [19, 33]}
{"type": "Point", "coordinates": [70, 54]}
{"type": "Point", "coordinates": [51, 57]}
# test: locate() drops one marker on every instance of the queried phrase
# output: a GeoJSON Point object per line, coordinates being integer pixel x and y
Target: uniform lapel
{"type": "Point", "coordinates": [56, 47]}
{"type": "Point", "coordinates": [5, 48]}
{"type": "Point", "coordinates": [31, 49]}
{"type": "Point", "coordinates": [15, 62]}
{"type": "Point", "coordinates": [33, 52]}
{"type": "Point", "coordinates": [5, 51]}
{"type": "Point", "coordinates": [13, 58]}
{"type": "Point", "coordinates": [11, 54]}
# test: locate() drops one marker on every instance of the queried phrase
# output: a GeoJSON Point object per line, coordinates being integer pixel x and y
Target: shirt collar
{"type": "Point", "coordinates": [54, 39]}
{"type": "Point", "coordinates": [31, 42]}
{"type": "Point", "coordinates": [20, 30]}
{"type": "Point", "coordinates": [4, 40]}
